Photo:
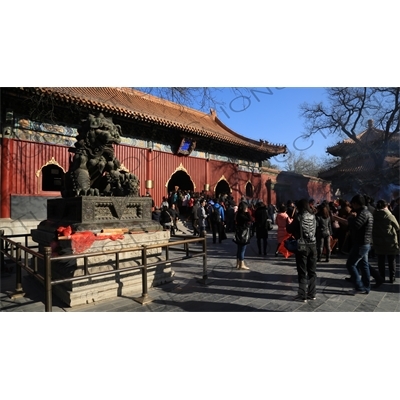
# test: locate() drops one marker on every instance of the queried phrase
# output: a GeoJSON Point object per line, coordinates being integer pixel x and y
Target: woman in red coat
{"type": "Point", "coordinates": [282, 218]}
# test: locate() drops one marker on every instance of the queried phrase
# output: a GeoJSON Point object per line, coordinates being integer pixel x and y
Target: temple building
{"type": "Point", "coordinates": [166, 145]}
{"type": "Point", "coordinates": [371, 166]}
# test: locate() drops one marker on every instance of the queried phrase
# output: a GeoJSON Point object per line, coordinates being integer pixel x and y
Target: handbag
{"type": "Point", "coordinates": [291, 244]}
{"type": "Point", "coordinates": [296, 245]}
{"type": "Point", "coordinates": [268, 225]}
{"type": "Point", "coordinates": [242, 236]}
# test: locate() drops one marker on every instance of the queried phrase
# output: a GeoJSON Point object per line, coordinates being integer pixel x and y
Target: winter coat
{"type": "Point", "coordinates": [261, 217]}
{"type": "Point", "coordinates": [396, 212]}
{"type": "Point", "coordinates": [165, 218]}
{"type": "Point", "coordinates": [384, 233]}
{"type": "Point", "coordinates": [156, 215]}
{"type": "Point", "coordinates": [324, 226]}
{"type": "Point", "coordinates": [243, 220]}
{"type": "Point", "coordinates": [220, 210]}
{"type": "Point", "coordinates": [202, 216]}
{"type": "Point", "coordinates": [196, 206]}
{"type": "Point", "coordinates": [360, 227]}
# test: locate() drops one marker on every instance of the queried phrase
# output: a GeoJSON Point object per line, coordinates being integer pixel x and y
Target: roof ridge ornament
{"type": "Point", "coordinates": [213, 114]}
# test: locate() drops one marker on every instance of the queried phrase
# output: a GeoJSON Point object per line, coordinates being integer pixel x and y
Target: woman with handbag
{"type": "Point", "coordinates": [303, 227]}
{"type": "Point", "coordinates": [243, 223]}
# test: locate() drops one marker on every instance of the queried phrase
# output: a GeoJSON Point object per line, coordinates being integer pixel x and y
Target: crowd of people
{"type": "Point", "coordinates": [358, 228]}
{"type": "Point", "coordinates": [217, 216]}
{"type": "Point", "coordinates": [203, 212]}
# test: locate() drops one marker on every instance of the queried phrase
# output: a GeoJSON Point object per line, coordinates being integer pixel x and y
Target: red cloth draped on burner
{"type": "Point", "coordinates": [81, 241]}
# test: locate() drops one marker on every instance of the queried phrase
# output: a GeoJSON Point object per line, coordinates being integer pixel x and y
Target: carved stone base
{"type": "Point", "coordinates": [96, 213]}
{"type": "Point", "coordinates": [87, 216]}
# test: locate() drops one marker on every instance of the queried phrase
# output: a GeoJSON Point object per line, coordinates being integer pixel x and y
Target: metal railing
{"type": "Point", "coordinates": [23, 255]}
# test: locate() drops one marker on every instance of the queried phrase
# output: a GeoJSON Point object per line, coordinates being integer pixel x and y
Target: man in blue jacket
{"type": "Point", "coordinates": [217, 218]}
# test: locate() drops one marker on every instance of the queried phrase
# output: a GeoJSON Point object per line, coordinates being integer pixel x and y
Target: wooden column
{"type": "Point", "coordinates": [207, 175]}
{"type": "Point", "coordinates": [149, 170]}
{"type": "Point", "coordinates": [6, 165]}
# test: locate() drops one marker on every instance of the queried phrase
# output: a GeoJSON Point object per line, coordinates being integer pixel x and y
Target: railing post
{"type": "Point", "coordinates": [18, 280]}
{"type": "Point", "coordinates": [144, 299]}
{"type": "Point", "coordinates": [186, 246]}
{"type": "Point", "coordinates": [166, 253]}
{"type": "Point", "coordinates": [47, 280]}
{"type": "Point", "coordinates": [1, 250]}
{"type": "Point", "coordinates": [35, 265]}
{"type": "Point", "coordinates": [18, 286]}
{"type": "Point", "coordinates": [85, 266]}
{"type": "Point", "coordinates": [204, 280]}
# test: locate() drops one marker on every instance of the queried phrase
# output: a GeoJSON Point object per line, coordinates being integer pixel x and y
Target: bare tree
{"type": "Point", "coordinates": [347, 113]}
{"type": "Point", "coordinates": [301, 163]}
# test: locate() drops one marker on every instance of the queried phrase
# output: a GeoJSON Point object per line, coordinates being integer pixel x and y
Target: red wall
{"type": "Point", "coordinates": [29, 157]}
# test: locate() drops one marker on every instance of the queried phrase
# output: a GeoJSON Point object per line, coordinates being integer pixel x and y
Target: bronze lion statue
{"type": "Point", "coordinates": [94, 170]}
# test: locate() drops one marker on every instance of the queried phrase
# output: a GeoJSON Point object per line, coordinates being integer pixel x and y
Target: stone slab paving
{"type": "Point", "coordinates": [270, 285]}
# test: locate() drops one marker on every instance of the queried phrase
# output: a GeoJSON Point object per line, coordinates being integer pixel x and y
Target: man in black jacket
{"type": "Point", "coordinates": [360, 226]}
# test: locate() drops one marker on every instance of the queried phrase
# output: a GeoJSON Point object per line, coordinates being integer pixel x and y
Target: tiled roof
{"type": "Point", "coordinates": [139, 106]}
{"type": "Point", "coordinates": [359, 166]}
{"type": "Point", "coordinates": [370, 136]}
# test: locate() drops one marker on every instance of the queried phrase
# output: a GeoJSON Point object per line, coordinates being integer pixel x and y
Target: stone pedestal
{"type": "Point", "coordinates": [98, 212]}
{"type": "Point", "coordinates": [88, 216]}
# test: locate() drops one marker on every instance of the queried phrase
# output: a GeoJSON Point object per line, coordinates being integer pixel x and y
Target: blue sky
{"type": "Point", "coordinates": [273, 114]}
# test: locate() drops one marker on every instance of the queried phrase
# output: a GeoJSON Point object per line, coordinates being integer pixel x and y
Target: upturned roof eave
{"type": "Point", "coordinates": [263, 148]}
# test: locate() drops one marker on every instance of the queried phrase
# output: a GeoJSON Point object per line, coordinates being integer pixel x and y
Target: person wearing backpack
{"type": "Point", "coordinates": [304, 225]}
{"type": "Point", "coordinates": [217, 217]}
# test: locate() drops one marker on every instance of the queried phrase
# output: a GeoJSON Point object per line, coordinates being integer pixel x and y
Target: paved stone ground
{"type": "Point", "coordinates": [270, 285]}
